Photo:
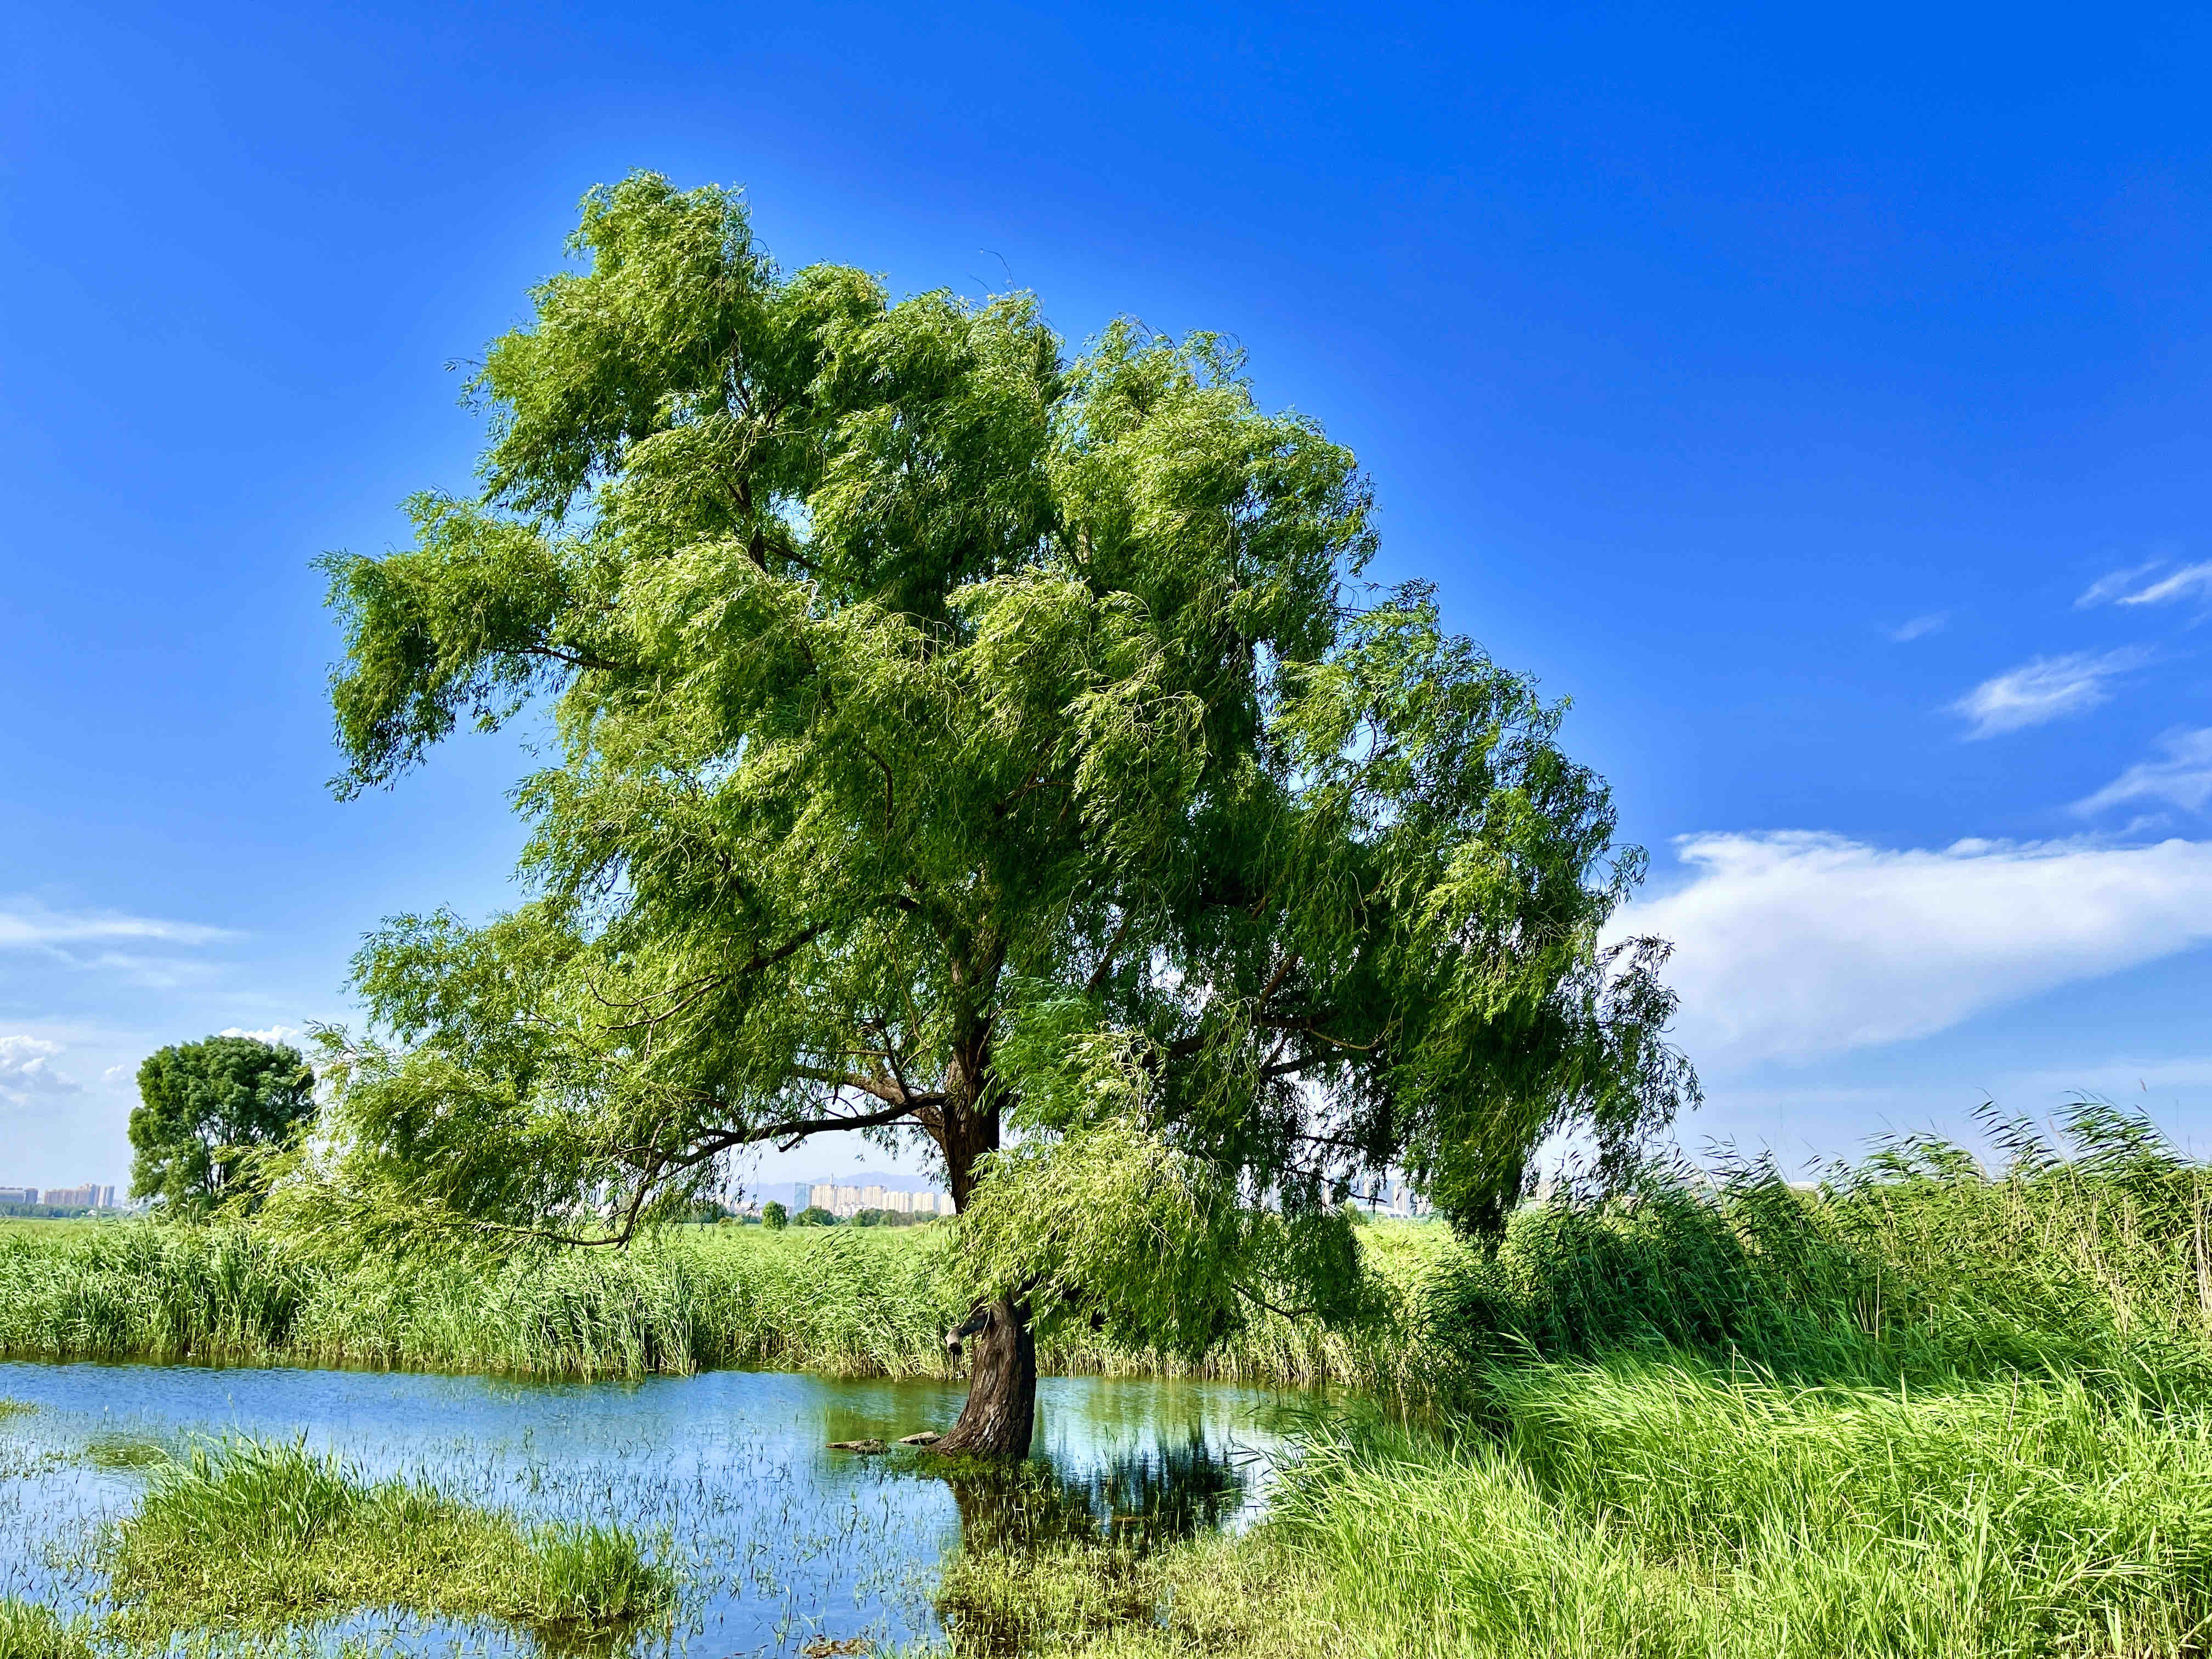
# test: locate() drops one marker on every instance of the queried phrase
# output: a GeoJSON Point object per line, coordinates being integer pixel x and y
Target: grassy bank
{"type": "Point", "coordinates": [850, 1301]}
{"type": "Point", "coordinates": [1923, 1410]}
{"type": "Point", "coordinates": [1927, 1412]}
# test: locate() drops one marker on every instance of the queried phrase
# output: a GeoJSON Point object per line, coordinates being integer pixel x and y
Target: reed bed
{"type": "Point", "coordinates": [1923, 1409]}
{"type": "Point", "coordinates": [847, 1301]}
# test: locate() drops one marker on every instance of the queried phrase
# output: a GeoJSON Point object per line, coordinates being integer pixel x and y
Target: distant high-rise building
{"type": "Point", "coordinates": [75, 1197]}
{"type": "Point", "coordinates": [846, 1202]}
{"type": "Point", "coordinates": [19, 1194]}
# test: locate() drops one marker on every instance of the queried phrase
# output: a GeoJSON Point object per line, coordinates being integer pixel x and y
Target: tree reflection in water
{"type": "Point", "coordinates": [1019, 1525]}
{"type": "Point", "coordinates": [1138, 1499]}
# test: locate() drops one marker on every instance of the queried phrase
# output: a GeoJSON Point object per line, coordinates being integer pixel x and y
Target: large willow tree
{"type": "Point", "coordinates": [955, 738]}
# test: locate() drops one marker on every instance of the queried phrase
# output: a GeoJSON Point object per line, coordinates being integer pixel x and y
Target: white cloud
{"type": "Point", "coordinates": [26, 1068]}
{"type": "Point", "coordinates": [2047, 689]}
{"type": "Point", "coordinates": [274, 1034]}
{"type": "Point", "coordinates": [2108, 587]}
{"type": "Point", "coordinates": [2128, 587]}
{"type": "Point", "coordinates": [146, 950]}
{"type": "Point", "coordinates": [1795, 945]}
{"type": "Point", "coordinates": [1918, 627]}
{"type": "Point", "coordinates": [28, 926]}
{"type": "Point", "coordinates": [2182, 777]}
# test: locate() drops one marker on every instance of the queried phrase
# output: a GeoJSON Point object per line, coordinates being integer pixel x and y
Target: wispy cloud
{"type": "Point", "coordinates": [27, 1068]}
{"type": "Point", "coordinates": [1794, 946]}
{"type": "Point", "coordinates": [2191, 581]}
{"type": "Point", "coordinates": [2181, 776]}
{"type": "Point", "coordinates": [2044, 689]}
{"type": "Point", "coordinates": [1919, 628]}
{"type": "Point", "coordinates": [2136, 586]}
{"type": "Point", "coordinates": [2108, 587]}
{"type": "Point", "coordinates": [28, 925]}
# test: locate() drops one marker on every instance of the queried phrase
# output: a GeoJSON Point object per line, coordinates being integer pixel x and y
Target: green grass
{"type": "Point", "coordinates": [1925, 1412]}
{"type": "Point", "coordinates": [264, 1535]}
{"type": "Point", "coordinates": [849, 1301]}
{"type": "Point", "coordinates": [28, 1631]}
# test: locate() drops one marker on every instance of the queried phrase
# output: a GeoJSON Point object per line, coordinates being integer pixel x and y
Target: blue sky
{"type": "Point", "coordinates": [1818, 399]}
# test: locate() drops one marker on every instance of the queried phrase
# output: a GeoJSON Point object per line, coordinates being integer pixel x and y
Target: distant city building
{"type": "Point", "coordinates": [1394, 1199]}
{"type": "Point", "coordinates": [846, 1202]}
{"type": "Point", "coordinates": [19, 1194]}
{"type": "Point", "coordinates": [88, 1197]}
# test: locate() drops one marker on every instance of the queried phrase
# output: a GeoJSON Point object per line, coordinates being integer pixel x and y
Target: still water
{"type": "Point", "coordinates": [781, 1541]}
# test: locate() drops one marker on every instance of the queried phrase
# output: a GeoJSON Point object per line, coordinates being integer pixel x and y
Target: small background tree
{"type": "Point", "coordinates": [207, 1111]}
{"type": "Point", "coordinates": [774, 1216]}
{"type": "Point", "coordinates": [958, 738]}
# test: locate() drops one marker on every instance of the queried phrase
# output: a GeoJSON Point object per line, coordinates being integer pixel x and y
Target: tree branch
{"type": "Point", "coordinates": [573, 659]}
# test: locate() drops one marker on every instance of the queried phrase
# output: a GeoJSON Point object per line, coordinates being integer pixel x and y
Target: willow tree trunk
{"type": "Point", "coordinates": [1000, 1420]}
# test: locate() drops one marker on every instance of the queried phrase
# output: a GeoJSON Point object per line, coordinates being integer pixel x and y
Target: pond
{"type": "Point", "coordinates": [781, 1541]}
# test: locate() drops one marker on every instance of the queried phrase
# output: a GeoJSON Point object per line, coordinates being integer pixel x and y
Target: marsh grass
{"type": "Point", "coordinates": [28, 1631]}
{"type": "Point", "coordinates": [847, 1301]}
{"type": "Point", "coordinates": [262, 1535]}
{"type": "Point", "coordinates": [1634, 1506]}
{"type": "Point", "coordinates": [1928, 1409]}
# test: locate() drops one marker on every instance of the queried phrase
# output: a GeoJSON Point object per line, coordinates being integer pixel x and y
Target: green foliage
{"type": "Point", "coordinates": [208, 1111]}
{"type": "Point", "coordinates": [814, 1216]}
{"type": "Point", "coordinates": [775, 1216]}
{"type": "Point", "coordinates": [1152, 1244]}
{"type": "Point", "coordinates": [265, 1534]}
{"type": "Point", "coordinates": [945, 724]}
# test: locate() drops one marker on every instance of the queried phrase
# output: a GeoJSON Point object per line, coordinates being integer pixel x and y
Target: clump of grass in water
{"type": "Point", "coordinates": [258, 1535]}
{"type": "Point", "coordinates": [28, 1631]}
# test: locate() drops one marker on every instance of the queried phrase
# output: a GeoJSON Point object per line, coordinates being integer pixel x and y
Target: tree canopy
{"type": "Point", "coordinates": [206, 1110]}
{"type": "Point", "coordinates": [952, 735]}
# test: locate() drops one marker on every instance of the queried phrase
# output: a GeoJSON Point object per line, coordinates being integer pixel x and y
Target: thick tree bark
{"type": "Point", "coordinates": [1000, 1420]}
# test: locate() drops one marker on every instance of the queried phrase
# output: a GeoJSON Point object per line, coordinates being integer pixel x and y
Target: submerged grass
{"type": "Point", "coordinates": [262, 1535]}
